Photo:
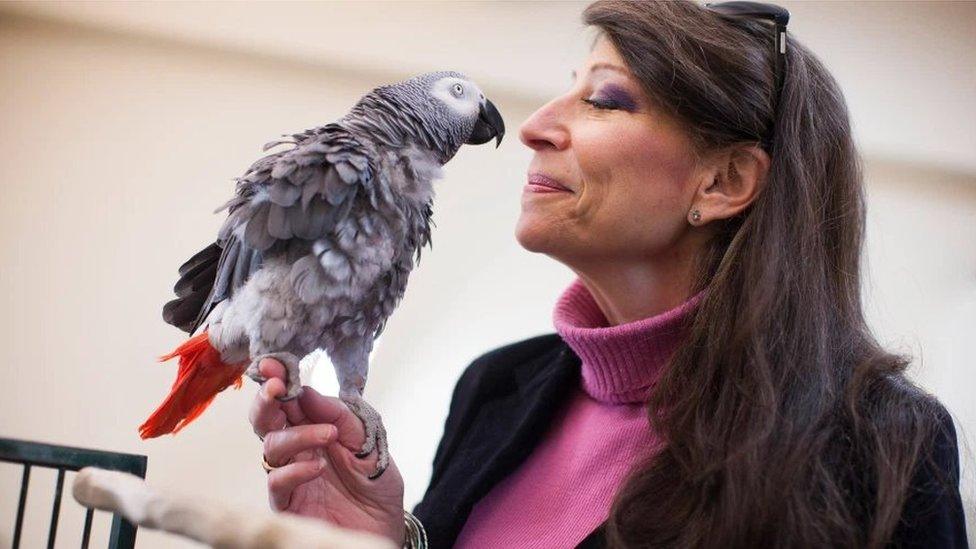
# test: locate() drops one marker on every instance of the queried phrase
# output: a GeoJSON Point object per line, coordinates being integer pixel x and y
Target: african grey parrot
{"type": "Point", "coordinates": [317, 247]}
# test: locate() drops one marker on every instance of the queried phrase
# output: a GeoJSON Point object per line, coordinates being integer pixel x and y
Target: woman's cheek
{"type": "Point", "coordinates": [637, 213]}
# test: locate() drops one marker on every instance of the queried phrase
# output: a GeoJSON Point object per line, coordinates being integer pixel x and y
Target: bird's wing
{"type": "Point", "coordinates": [299, 194]}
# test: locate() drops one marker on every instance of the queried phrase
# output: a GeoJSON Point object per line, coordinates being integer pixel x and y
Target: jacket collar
{"type": "Point", "coordinates": [548, 375]}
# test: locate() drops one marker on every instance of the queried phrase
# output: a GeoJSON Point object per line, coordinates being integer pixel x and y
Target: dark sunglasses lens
{"type": "Point", "coordinates": [770, 12]}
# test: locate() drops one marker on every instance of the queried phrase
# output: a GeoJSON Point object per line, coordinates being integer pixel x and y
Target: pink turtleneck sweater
{"type": "Point", "coordinates": [563, 491]}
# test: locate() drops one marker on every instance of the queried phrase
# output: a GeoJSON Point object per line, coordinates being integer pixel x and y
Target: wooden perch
{"type": "Point", "coordinates": [210, 522]}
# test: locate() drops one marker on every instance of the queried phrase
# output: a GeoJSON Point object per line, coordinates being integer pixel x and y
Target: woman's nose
{"type": "Point", "coordinates": [546, 128]}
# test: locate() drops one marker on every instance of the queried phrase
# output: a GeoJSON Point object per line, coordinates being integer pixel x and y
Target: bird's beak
{"type": "Point", "coordinates": [489, 124]}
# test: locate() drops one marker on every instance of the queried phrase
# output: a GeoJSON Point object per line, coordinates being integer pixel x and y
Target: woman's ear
{"type": "Point", "coordinates": [730, 182]}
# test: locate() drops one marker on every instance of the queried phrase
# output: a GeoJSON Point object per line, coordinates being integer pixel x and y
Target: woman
{"type": "Point", "coordinates": [712, 381]}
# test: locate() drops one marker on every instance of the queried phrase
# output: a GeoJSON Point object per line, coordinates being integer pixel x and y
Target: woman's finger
{"type": "Point", "coordinates": [272, 369]}
{"type": "Point", "coordinates": [282, 446]}
{"type": "Point", "coordinates": [265, 413]}
{"type": "Point", "coordinates": [268, 413]}
{"type": "Point", "coordinates": [283, 480]}
{"type": "Point", "coordinates": [319, 408]}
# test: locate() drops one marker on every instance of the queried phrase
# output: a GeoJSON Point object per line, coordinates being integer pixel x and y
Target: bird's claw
{"type": "Point", "coordinates": [376, 474]}
{"type": "Point", "coordinates": [375, 433]}
{"type": "Point", "coordinates": [287, 397]}
{"type": "Point", "coordinates": [254, 373]}
{"type": "Point", "coordinates": [290, 361]}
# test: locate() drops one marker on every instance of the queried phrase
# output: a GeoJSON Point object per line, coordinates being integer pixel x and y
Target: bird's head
{"type": "Point", "coordinates": [445, 109]}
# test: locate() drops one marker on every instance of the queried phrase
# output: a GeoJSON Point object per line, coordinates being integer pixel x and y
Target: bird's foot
{"type": "Point", "coordinates": [294, 383]}
{"type": "Point", "coordinates": [375, 432]}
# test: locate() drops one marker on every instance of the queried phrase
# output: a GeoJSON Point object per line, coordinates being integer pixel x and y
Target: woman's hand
{"type": "Point", "coordinates": [312, 440]}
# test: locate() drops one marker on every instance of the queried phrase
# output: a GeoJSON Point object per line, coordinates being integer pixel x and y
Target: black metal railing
{"type": "Point", "coordinates": [68, 458]}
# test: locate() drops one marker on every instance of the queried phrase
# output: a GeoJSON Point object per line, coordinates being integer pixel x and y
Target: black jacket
{"type": "Point", "coordinates": [503, 405]}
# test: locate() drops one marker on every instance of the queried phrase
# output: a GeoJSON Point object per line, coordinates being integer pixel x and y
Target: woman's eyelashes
{"type": "Point", "coordinates": [601, 104]}
{"type": "Point", "coordinates": [612, 98]}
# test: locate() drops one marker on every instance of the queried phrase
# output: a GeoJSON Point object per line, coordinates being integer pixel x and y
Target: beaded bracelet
{"type": "Point", "coordinates": [416, 537]}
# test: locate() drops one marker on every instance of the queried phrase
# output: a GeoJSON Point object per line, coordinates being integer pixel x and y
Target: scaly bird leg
{"type": "Point", "coordinates": [294, 384]}
{"type": "Point", "coordinates": [375, 432]}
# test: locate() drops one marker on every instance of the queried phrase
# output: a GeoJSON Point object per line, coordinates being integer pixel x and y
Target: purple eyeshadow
{"type": "Point", "coordinates": [619, 96]}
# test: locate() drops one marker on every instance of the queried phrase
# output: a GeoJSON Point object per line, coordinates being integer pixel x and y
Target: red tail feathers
{"type": "Point", "coordinates": [202, 375]}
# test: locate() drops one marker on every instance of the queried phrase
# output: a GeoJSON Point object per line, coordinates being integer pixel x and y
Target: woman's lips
{"type": "Point", "coordinates": [538, 183]}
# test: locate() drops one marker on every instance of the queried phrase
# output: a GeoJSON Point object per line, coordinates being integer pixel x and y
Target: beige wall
{"type": "Point", "coordinates": [118, 140]}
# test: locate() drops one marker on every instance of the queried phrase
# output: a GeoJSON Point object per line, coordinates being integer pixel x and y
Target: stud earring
{"type": "Point", "coordinates": [695, 216]}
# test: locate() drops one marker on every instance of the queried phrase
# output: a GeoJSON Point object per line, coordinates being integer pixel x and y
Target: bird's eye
{"type": "Point", "coordinates": [458, 90]}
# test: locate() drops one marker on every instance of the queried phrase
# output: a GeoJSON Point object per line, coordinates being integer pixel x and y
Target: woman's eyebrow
{"type": "Point", "coordinates": [605, 66]}
{"type": "Point", "coordinates": [610, 66]}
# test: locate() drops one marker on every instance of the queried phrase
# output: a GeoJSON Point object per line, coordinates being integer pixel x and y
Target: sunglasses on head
{"type": "Point", "coordinates": [780, 16]}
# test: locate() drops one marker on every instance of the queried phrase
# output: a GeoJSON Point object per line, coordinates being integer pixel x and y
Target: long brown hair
{"type": "Point", "coordinates": [786, 423]}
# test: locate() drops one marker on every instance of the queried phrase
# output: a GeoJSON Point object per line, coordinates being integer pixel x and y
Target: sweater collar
{"type": "Point", "coordinates": [620, 364]}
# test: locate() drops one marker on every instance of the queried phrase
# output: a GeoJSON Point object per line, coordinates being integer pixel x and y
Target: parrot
{"type": "Point", "coordinates": [318, 243]}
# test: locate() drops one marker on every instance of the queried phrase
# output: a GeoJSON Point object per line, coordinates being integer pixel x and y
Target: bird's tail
{"type": "Point", "coordinates": [202, 375]}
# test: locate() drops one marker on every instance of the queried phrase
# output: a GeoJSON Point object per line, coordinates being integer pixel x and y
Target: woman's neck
{"type": "Point", "coordinates": [630, 292]}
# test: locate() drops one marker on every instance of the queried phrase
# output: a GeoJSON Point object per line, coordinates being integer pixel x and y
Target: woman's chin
{"type": "Point", "coordinates": [535, 237]}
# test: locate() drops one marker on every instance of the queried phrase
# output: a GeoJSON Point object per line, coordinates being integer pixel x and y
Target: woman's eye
{"type": "Point", "coordinates": [604, 104]}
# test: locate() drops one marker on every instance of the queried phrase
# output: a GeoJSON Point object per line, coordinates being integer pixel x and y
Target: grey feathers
{"type": "Point", "coordinates": [303, 192]}
{"type": "Point", "coordinates": [296, 194]}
